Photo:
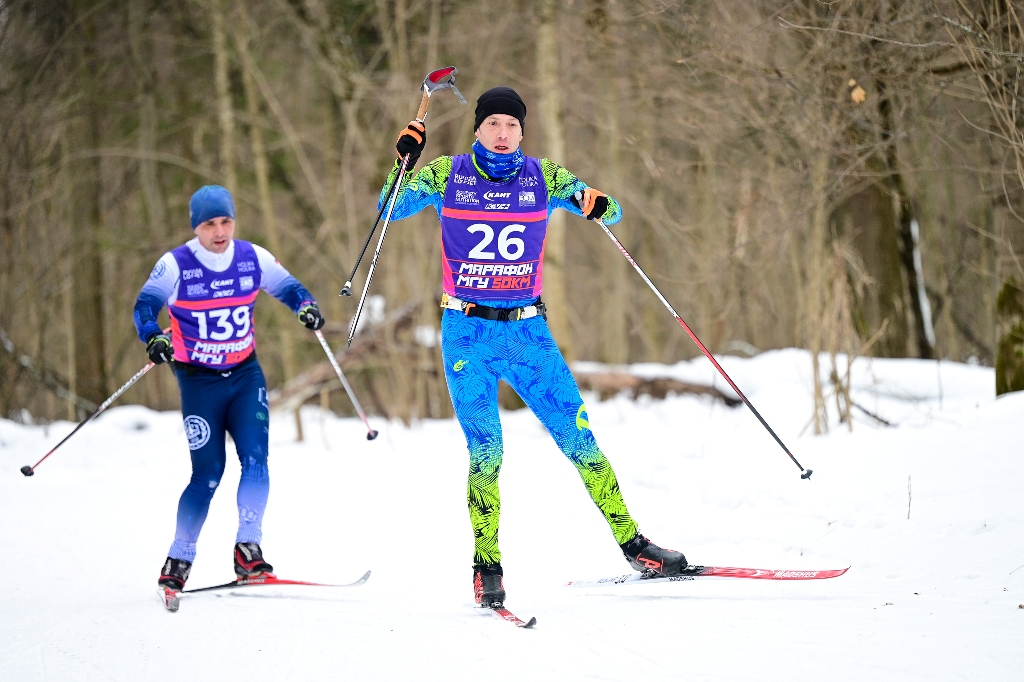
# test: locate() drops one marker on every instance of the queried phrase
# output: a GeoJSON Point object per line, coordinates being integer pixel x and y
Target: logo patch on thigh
{"type": "Point", "coordinates": [582, 418]}
{"type": "Point", "coordinates": [197, 430]}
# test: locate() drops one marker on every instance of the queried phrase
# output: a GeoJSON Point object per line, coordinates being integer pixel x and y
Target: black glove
{"type": "Point", "coordinates": [591, 202]}
{"type": "Point", "coordinates": [159, 349]}
{"type": "Point", "coordinates": [411, 141]}
{"type": "Point", "coordinates": [311, 316]}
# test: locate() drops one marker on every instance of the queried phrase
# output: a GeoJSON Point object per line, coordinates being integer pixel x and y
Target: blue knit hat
{"type": "Point", "coordinates": [211, 201]}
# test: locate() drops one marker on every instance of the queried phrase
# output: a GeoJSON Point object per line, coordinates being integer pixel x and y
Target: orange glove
{"type": "Point", "coordinates": [593, 203]}
{"type": "Point", "coordinates": [411, 141]}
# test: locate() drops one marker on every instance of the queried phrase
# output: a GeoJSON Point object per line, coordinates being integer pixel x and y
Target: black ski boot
{"type": "Point", "coordinates": [174, 574]}
{"type": "Point", "coordinates": [249, 561]}
{"type": "Point", "coordinates": [649, 559]}
{"type": "Point", "coordinates": [488, 588]}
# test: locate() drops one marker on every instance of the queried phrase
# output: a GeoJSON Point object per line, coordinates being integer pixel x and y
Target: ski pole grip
{"type": "Point", "coordinates": [421, 114]}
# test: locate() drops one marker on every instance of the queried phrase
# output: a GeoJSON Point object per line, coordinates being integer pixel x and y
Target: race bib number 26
{"type": "Point", "coordinates": [509, 246]}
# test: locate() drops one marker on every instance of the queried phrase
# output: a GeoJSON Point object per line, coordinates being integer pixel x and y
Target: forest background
{"type": "Point", "coordinates": [846, 177]}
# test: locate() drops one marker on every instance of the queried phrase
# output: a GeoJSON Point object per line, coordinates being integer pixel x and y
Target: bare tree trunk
{"type": "Point", "coordinates": [262, 168]}
{"type": "Point", "coordinates": [87, 278]}
{"type": "Point", "coordinates": [433, 34]}
{"type": "Point", "coordinates": [72, 371]}
{"type": "Point", "coordinates": [401, 38]}
{"type": "Point", "coordinates": [742, 224]}
{"type": "Point", "coordinates": [816, 283]}
{"type": "Point", "coordinates": [549, 105]}
{"type": "Point", "coordinates": [147, 143]}
{"type": "Point", "coordinates": [225, 109]}
{"type": "Point", "coordinates": [87, 257]}
{"type": "Point", "coordinates": [615, 308]}
{"type": "Point", "coordinates": [904, 216]}
{"type": "Point", "coordinates": [386, 34]}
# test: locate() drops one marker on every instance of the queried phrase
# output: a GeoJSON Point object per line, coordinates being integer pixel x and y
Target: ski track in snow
{"type": "Point", "coordinates": [930, 598]}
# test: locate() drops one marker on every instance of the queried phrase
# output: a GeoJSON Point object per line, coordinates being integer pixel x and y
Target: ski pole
{"type": "Point", "coordinates": [806, 472]}
{"type": "Point", "coordinates": [31, 470]}
{"type": "Point", "coordinates": [347, 289]}
{"type": "Point", "coordinates": [441, 79]}
{"type": "Point", "coordinates": [373, 263]}
{"type": "Point", "coordinates": [370, 433]}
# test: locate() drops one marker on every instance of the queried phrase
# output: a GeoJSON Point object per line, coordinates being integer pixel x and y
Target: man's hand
{"type": "Point", "coordinates": [591, 202]}
{"type": "Point", "coordinates": [411, 141]}
{"type": "Point", "coordinates": [311, 316]}
{"type": "Point", "coordinates": [159, 349]}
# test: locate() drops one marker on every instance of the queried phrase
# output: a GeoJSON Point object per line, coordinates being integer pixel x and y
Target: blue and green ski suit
{"type": "Point", "coordinates": [492, 237]}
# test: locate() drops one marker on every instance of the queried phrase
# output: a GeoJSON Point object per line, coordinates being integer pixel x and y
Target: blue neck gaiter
{"type": "Point", "coordinates": [497, 166]}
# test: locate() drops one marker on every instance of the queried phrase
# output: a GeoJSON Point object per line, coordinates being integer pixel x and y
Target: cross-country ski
{"type": "Point", "coordinates": [710, 572]}
{"type": "Point", "coordinates": [509, 617]}
{"type": "Point", "coordinates": [171, 598]}
{"type": "Point", "coordinates": [273, 580]}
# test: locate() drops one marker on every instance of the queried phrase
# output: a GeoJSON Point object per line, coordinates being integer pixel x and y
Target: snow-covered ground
{"type": "Point", "coordinates": [932, 597]}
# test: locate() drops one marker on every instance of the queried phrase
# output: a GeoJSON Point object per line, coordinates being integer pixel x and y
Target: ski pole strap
{"type": "Point", "coordinates": [498, 314]}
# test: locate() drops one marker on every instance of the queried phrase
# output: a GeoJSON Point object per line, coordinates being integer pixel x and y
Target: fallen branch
{"type": "Point", "coordinates": [871, 414]}
{"type": "Point", "coordinates": [47, 378]}
{"type": "Point", "coordinates": [608, 384]}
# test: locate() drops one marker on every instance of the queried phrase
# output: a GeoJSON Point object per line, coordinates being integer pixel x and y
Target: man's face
{"type": "Point", "coordinates": [216, 234]}
{"type": "Point", "coordinates": [500, 133]}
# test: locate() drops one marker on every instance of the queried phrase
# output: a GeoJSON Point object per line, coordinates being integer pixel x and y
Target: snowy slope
{"type": "Point", "coordinates": [930, 598]}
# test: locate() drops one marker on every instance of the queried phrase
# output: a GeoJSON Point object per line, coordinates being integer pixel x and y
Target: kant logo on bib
{"type": "Point", "coordinates": [219, 290]}
{"type": "Point", "coordinates": [496, 196]}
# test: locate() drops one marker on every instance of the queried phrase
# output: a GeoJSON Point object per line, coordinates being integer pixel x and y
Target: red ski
{"type": "Point", "coordinates": [271, 580]}
{"type": "Point", "coordinates": [707, 572]}
{"type": "Point", "coordinates": [169, 597]}
{"type": "Point", "coordinates": [508, 616]}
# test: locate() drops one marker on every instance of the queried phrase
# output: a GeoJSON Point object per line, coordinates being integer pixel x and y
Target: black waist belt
{"type": "Point", "coordinates": [535, 309]}
{"type": "Point", "coordinates": [192, 370]}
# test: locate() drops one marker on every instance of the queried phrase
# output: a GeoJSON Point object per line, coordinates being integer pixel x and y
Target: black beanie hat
{"type": "Point", "coordinates": [500, 100]}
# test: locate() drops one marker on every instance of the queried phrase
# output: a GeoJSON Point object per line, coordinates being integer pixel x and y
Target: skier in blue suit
{"type": "Point", "coordinates": [209, 285]}
{"type": "Point", "coordinates": [494, 204]}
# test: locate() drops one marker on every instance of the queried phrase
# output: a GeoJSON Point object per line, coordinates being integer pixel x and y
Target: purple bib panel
{"type": "Point", "coordinates": [492, 235]}
{"type": "Point", "coordinates": [212, 320]}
